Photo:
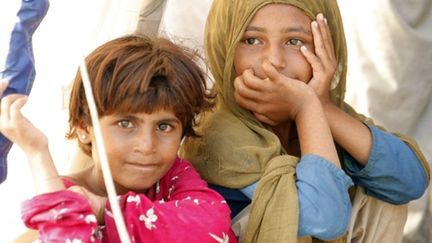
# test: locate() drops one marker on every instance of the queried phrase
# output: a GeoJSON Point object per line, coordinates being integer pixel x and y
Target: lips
{"type": "Point", "coordinates": [142, 166]}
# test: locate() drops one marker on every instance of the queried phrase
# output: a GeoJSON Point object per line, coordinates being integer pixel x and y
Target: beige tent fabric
{"type": "Point", "coordinates": [390, 60]}
{"type": "Point", "coordinates": [149, 18]}
{"type": "Point", "coordinates": [183, 22]}
{"type": "Point", "coordinates": [119, 17]}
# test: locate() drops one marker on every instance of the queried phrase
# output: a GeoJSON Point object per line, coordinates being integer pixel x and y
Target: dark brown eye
{"type": "Point", "coordinates": [251, 41]}
{"type": "Point", "coordinates": [295, 42]}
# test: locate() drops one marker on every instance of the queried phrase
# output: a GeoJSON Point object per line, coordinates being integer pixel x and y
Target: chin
{"type": "Point", "coordinates": [134, 184]}
{"type": "Point", "coordinates": [137, 189]}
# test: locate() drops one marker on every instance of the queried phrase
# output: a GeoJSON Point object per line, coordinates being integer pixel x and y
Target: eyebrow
{"type": "Point", "coordinates": [167, 119]}
{"type": "Point", "coordinates": [286, 30]}
{"type": "Point", "coordinates": [171, 120]}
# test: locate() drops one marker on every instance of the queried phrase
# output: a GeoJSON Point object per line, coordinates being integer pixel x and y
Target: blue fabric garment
{"type": "Point", "coordinates": [393, 173]}
{"type": "Point", "coordinates": [19, 65]}
{"type": "Point", "coordinates": [235, 199]}
{"type": "Point", "coordinates": [324, 204]}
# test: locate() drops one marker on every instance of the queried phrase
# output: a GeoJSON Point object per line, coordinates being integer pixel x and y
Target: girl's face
{"type": "Point", "coordinates": [140, 147]}
{"type": "Point", "coordinates": [276, 33]}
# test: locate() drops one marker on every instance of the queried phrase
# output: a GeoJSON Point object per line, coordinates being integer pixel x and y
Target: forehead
{"type": "Point", "coordinates": [165, 113]}
{"type": "Point", "coordinates": [276, 14]}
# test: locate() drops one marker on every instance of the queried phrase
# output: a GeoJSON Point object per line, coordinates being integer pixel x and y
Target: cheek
{"type": "Point", "coordinates": [116, 150]}
{"type": "Point", "coordinates": [298, 68]}
{"type": "Point", "coordinates": [171, 147]}
{"type": "Point", "coordinates": [245, 59]}
{"type": "Point", "coordinates": [170, 144]}
{"type": "Point", "coordinates": [239, 63]}
{"type": "Point", "coordinates": [168, 152]}
{"type": "Point", "coordinates": [117, 144]}
{"type": "Point", "coordinates": [307, 73]}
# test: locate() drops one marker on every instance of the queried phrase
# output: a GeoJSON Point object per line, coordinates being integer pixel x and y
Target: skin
{"type": "Point", "coordinates": [285, 64]}
{"type": "Point", "coordinates": [17, 128]}
{"type": "Point", "coordinates": [140, 147]}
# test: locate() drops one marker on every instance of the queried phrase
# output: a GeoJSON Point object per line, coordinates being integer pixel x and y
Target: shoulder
{"type": "Point", "coordinates": [80, 178]}
{"type": "Point", "coordinates": [183, 175]}
{"type": "Point", "coordinates": [181, 167]}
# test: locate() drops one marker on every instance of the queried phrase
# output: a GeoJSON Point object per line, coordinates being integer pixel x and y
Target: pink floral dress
{"type": "Point", "coordinates": [178, 208]}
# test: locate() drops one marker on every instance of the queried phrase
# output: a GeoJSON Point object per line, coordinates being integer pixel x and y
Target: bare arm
{"type": "Point", "coordinates": [32, 141]}
{"type": "Point", "coordinates": [348, 132]}
{"type": "Point", "coordinates": [314, 133]}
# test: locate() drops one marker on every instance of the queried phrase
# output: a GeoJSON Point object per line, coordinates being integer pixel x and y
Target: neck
{"type": "Point", "coordinates": [287, 134]}
{"type": "Point", "coordinates": [90, 179]}
{"type": "Point", "coordinates": [97, 182]}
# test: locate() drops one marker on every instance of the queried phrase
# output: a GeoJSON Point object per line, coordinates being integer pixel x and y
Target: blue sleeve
{"type": "Point", "coordinates": [325, 207]}
{"type": "Point", "coordinates": [19, 67]}
{"type": "Point", "coordinates": [393, 173]}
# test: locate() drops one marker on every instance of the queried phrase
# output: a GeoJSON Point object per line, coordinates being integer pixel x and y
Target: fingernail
{"type": "Point", "coordinates": [320, 16]}
{"type": "Point", "coordinates": [325, 20]}
{"type": "Point", "coordinates": [303, 48]}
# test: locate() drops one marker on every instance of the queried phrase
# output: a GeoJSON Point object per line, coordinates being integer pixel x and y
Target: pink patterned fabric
{"type": "Point", "coordinates": [179, 208]}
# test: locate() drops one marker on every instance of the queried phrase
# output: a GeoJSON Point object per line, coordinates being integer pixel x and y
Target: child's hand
{"type": "Point", "coordinates": [97, 203]}
{"type": "Point", "coordinates": [273, 100]}
{"type": "Point", "coordinates": [323, 62]}
{"type": "Point", "coordinates": [17, 127]}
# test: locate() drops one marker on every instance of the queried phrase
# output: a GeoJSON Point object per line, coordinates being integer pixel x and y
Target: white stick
{"type": "Point", "coordinates": [112, 195]}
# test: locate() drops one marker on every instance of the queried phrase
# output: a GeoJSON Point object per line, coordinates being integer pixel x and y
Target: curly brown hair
{"type": "Point", "coordinates": [134, 74]}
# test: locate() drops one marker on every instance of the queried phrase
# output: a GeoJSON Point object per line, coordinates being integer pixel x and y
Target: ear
{"type": "Point", "coordinates": [83, 135]}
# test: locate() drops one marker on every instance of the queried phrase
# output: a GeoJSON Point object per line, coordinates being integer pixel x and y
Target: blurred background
{"type": "Point", "coordinates": [390, 74]}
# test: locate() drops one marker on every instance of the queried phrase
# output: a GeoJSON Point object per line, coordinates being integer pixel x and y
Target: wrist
{"type": "Point", "coordinates": [34, 146]}
{"type": "Point", "coordinates": [309, 109]}
{"type": "Point", "coordinates": [36, 150]}
{"type": "Point", "coordinates": [41, 164]}
{"type": "Point", "coordinates": [44, 172]}
{"type": "Point", "coordinates": [328, 106]}
{"type": "Point", "coordinates": [47, 185]}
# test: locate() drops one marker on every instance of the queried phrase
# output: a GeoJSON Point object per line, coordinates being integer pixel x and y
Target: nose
{"type": "Point", "coordinates": [145, 143]}
{"type": "Point", "coordinates": [275, 55]}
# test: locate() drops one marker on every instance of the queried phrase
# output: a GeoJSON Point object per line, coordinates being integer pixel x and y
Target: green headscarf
{"type": "Point", "coordinates": [235, 149]}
